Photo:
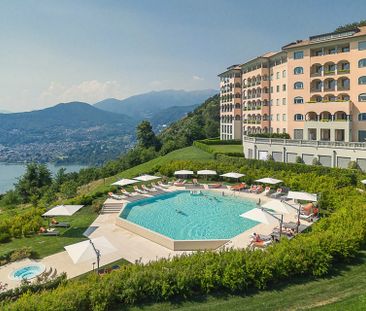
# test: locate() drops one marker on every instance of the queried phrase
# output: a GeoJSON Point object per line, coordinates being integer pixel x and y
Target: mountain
{"type": "Point", "coordinates": [149, 105]}
{"type": "Point", "coordinates": [62, 130]}
{"type": "Point", "coordinates": [166, 116]}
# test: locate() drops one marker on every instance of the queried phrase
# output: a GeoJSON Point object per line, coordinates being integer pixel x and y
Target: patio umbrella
{"type": "Point", "coordinates": [260, 215]}
{"type": "Point", "coordinates": [206, 172]}
{"type": "Point", "coordinates": [304, 196]}
{"type": "Point", "coordinates": [279, 206]}
{"type": "Point", "coordinates": [62, 210]}
{"type": "Point", "coordinates": [89, 250]}
{"type": "Point", "coordinates": [269, 180]}
{"type": "Point", "coordinates": [233, 175]}
{"type": "Point", "coordinates": [146, 178]}
{"type": "Point", "coordinates": [183, 172]}
{"type": "Point", "coordinates": [124, 182]}
{"type": "Point", "coordinates": [363, 181]}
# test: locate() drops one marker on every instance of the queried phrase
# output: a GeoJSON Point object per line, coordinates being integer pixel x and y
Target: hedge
{"type": "Point", "coordinates": [218, 141]}
{"type": "Point", "coordinates": [335, 238]}
{"type": "Point", "coordinates": [207, 148]}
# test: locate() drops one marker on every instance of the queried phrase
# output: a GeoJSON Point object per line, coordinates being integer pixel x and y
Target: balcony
{"type": "Point", "coordinates": [330, 106]}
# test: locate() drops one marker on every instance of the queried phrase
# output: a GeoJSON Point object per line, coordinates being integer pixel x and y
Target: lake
{"type": "Point", "coordinates": [10, 172]}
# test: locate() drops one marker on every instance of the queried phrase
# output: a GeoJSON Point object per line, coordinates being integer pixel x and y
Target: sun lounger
{"type": "Point", "coordinates": [116, 196]}
{"type": "Point", "coordinates": [253, 188]}
{"type": "Point", "coordinates": [278, 193]}
{"type": "Point", "coordinates": [125, 192]}
{"type": "Point", "coordinates": [261, 244]}
{"type": "Point", "coordinates": [215, 185]}
{"type": "Point", "coordinates": [163, 185]}
{"type": "Point", "coordinates": [148, 189]}
{"type": "Point", "coordinates": [267, 191]}
{"type": "Point", "coordinates": [238, 187]}
{"type": "Point", "coordinates": [180, 184]}
{"type": "Point", "coordinates": [50, 233]}
{"type": "Point", "coordinates": [53, 275]}
{"type": "Point", "coordinates": [144, 191]}
{"type": "Point", "coordinates": [307, 217]}
{"type": "Point", "coordinates": [60, 225]}
{"type": "Point", "coordinates": [259, 189]}
{"type": "Point", "coordinates": [195, 182]}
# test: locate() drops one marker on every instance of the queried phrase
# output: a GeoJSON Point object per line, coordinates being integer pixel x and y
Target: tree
{"type": "Point", "coordinates": [351, 26]}
{"type": "Point", "coordinates": [146, 137]}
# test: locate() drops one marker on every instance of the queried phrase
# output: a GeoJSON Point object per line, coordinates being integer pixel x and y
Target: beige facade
{"type": "Point", "coordinates": [312, 89]}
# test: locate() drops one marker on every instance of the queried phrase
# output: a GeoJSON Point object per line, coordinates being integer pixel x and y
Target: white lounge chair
{"type": "Point", "coordinates": [139, 190]}
{"type": "Point", "coordinates": [163, 185]}
{"type": "Point", "coordinates": [148, 189]}
{"type": "Point", "coordinates": [116, 196]}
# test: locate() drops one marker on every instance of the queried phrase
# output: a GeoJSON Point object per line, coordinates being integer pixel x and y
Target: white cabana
{"type": "Point", "coordinates": [62, 210]}
{"type": "Point", "coordinates": [146, 178]}
{"type": "Point", "coordinates": [304, 196]}
{"type": "Point", "coordinates": [124, 182]}
{"type": "Point", "coordinates": [279, 207]}
{"type": "Point", "coordinates": [206, 172]}
{"type": "Point", "coordinates": [269, 180]}
{"type": "Point", "coordinates": [86, 250]}
{"type": "Point", "coordinates": [233, 175]}
{"type": "Point", "coordinates": [363, 181]}
{"type": "Point", "coordinates": [183, 172]}
{"type": "Point", "coordinates": [260, 215]}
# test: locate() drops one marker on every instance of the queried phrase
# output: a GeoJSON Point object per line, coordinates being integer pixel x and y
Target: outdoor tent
{"type": "Point", "coordinates": [87, 250]}
{"type": "Point", "coordinates": [146, 178]}
{"type": "Point", "coordinates": [62, 210]}
{"type": "Point", "coordinates": [268, 180]}
{"type": "Point", "coordinates": [124, 182]}
{"type": "Point", "coordinates": [304, 196]}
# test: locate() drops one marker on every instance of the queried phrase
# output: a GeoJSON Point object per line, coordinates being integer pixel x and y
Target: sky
{"type": "Point", "coordinates": [84, 50]}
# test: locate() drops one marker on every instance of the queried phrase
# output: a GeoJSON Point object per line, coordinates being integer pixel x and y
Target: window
{"type": "Point", "coordinates": [298, 85]}
{"type": "Point", "coordinates": [362, 80]}
{"type": "Point", "coordinates": [283, 101]}
{"type": "Point", "coordinates": [298, 117]}
{"type": "Point", "coordinates": [284, 117]}
{"type": "Point", "coordinates": [332, 51]}
{"type": "Point", "coordinates": [298, 100]}
{"type": "Point", "coordinates": [299, 55]}
{"type": "Point", "coordinates": [271, 89]}
{"type": "Point", "coordinates": [362, 45]}
{"type": "Point", "coordinates": [277, 117]}
{"type": "Point", "coordinates": [362, 116]}
{"type": "Point", "coordinates": [284, 130]}
{"type": "Point", "coordinates": [277, 102]}
{"type": "Point", "coordinates": [298, 70]}
{"type": "Point", "coordinates": [271, 77]}
{"type": "Point", "coordinates": [362, 63]}
{"type": "Point", "coordinates": [277, 88]}
{"type": "Point", "coordinates": [298, 133]}
{"type": "Point", "coordinates": [277, 75]}
{"type": "Point", "coordinates": [362, 97]}
{"type": "Point", "coordinates": [283, 87]}
{"type": "Point", "coordinates": [345, 49]}
{"type": "Point", "coordinates": [284, 74]}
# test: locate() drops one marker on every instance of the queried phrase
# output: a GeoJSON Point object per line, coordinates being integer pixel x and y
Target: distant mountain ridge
{"type": "Point", "coordinates": [149, 105]}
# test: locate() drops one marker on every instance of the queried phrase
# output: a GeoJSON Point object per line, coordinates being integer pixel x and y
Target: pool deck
{"type": "Point", "coordinates": [131, 246]}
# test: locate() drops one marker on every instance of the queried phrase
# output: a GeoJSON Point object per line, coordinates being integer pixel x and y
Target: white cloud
{"type": "Point", "coordinates": [197, 78]}
{"type": "Point", "coordinates": [87, 91]}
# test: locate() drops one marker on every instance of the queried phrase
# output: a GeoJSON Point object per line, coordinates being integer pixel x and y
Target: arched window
{"type": "Point", "coordinates": [362, 116]}
{"type": "Point", "coordinates": [298, 85]}
{"type": "Point", "coordinates": [298, 70]}
{"type": "Point", "coordinates": [362, 80]}
{"type": "Point", "coordinates": [298, 117]}
{"type": "Point", "coordinates": [362, 63]}
{"type": "Point", "coordinates": [362, 97]}
{"type": "Point", "coordinates": [298, 100]}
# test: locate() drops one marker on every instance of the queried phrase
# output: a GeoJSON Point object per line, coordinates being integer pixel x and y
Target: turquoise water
{"type": "Point", "coordinates": [27, 273]}
{"type": "Point", "coordinates": [182, 216]}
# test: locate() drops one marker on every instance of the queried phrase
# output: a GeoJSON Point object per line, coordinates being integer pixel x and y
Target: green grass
{"type": "Point", "coordinates": [188, 153]}
{"type": "Point", "coordinates": [345, 289]}
{"type": "Point", "coordinates": [47, 245]}
{"type": "Point", "coordinates": [227, 148]}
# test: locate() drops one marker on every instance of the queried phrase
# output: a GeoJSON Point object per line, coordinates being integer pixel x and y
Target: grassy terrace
{"type": "Point", "coordinates": [227, 148]}
{"type": "Point", "coordinates": [345, 289]}
{"type": "Point", "coordinates": [47, 245]}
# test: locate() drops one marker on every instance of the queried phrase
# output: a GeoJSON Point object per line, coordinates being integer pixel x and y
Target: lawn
{"type": "Point", "coordinates": [227, 148]}
{"type": "Point", "coordinates": [189, 153]}
{"type": "Point", "coordinates": [47, 245]}
{"type": "Point", "coordinates": [345, 289]}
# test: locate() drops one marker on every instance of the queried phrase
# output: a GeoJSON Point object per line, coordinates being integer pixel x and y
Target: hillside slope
{"type": "Point", "coordinates": [148, 105]}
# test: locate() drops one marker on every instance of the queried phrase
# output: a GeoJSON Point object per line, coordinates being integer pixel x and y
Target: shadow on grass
{"type": "Point", "coordinates": [337, 270]}
{"type": "Point", "coordinates": [74, 232]}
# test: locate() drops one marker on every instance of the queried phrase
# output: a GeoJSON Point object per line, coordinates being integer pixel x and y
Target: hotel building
{"type": "Point", "coordinates": [314, 90]}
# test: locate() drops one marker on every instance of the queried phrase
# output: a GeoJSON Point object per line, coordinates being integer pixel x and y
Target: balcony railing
{"type": "Point", "coordinates": [299, 142]}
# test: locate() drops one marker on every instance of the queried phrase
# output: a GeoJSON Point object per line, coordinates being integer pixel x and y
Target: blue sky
{"type": "Point", "coordinates": [59, 51]}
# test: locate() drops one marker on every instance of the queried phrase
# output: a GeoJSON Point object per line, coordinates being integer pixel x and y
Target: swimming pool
{"type": "Point", "coordinates": [182, 216]}
{"type": "Point", "coordinates": [27, 272]}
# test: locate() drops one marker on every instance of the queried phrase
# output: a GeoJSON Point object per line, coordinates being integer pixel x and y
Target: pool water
{"type": "Point", "coordinates": [182, 216]}
{"type": "Point", "coordinates": [27, 272]}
